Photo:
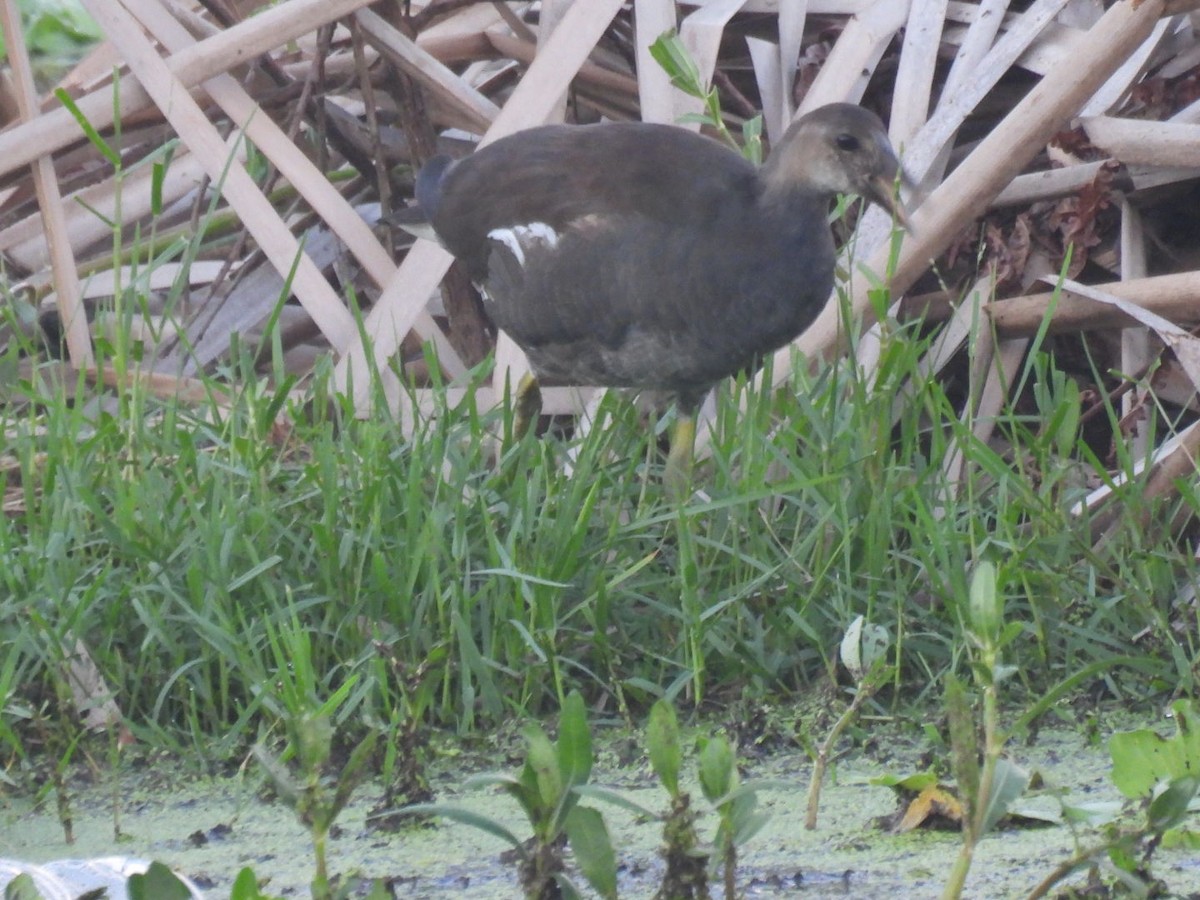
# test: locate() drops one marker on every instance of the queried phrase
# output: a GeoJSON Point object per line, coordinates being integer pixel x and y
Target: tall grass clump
{"type": "Point", "coordinates": [174, 538]}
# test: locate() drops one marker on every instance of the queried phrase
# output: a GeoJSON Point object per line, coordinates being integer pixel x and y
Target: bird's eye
{"type": "Point", "coordinates": [847, 142]}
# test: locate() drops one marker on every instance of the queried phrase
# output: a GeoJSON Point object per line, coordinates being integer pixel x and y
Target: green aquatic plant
{"type": "Point", "coordinates": [1160, 775]}
{"type": "Point", "coordinates": [734, 804]}
{"type": "Point", "coordinates": [546, 789]}
{"type": "Point", "coordinates": [987, 787]}
{"type": "Point", "coordinates": [309, 723]}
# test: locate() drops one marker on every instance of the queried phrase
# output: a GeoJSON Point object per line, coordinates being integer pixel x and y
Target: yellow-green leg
{"type": "Point", "coordinates": [528, 405]}
{"type": "Point", "coordinates": [678, 474]}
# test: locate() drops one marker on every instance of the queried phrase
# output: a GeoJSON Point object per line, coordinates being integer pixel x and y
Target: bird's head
{"type": "Point", "coordinates": [839, 149]}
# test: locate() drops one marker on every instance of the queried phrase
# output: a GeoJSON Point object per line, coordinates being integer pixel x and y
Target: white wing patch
{"type": "Point", "coordinates": [521, 238]}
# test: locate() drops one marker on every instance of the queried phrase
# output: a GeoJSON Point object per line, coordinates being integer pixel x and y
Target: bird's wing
{"type": "Point", "coordinates": [561, 175]}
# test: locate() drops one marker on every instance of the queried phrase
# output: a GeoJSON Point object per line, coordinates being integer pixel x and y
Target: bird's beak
{"type": "Point", "coordinates": [884, 191]}
{"type": "Point", "coordinates": [412, 220]}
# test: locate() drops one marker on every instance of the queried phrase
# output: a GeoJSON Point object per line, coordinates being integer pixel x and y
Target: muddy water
{"type": "Point", "coordinates": [210, 828]}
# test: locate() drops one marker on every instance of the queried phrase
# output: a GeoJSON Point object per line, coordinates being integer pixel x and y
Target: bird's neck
{"type": "Point", "coordinates": [788, 172]}
{"type": "Point", "coordinates": [796, 210]}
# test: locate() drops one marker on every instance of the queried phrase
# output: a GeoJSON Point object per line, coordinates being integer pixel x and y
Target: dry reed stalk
{"type": "Point", "coordinates": [968, 191]}
{"type": "Point", "coordinates": [87, 214]}
{"type": "Point", "coordinates": [1053, 183]}
{"type": "Point", "coordinates": [1136, 352]}
{"type": "Point", "coordinates": [227, 49]}
{"type": "Point", "coordinates": [657, 96]}
{"type": "Point", "coordinates": [854, 57]}
{"type": "Point", "coordinates": [1149, 143]}
{"type": "Point", "coordinates": [1174, 460]}
{"type": "Point", "coordinates": [913, 92]}
{"type": "Point", "coordinates": [308, 180]}
{"type": "Point", "coordinates": [1176, 297]}
{"type": "Point", "coordinates": [477, 112]}
{"type": "Point", "coordinates": [64, 273]}
{"type": "Point", "coordinates": [234, 182]}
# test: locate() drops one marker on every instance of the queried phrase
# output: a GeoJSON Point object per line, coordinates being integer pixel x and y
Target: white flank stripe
{"type": "Point", "coordinates": [520, 238]}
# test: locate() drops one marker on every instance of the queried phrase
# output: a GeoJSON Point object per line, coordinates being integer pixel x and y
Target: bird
{"type": "Point", "coordinates": [647, 256]}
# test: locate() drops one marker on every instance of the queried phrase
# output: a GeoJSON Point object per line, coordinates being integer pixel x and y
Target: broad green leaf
{"type": "Point", "coordinates": [662, 741]}
{"type": "Point", "coordinates": [593, 850]}
{"type": "Point", "coordinates": [670, 53]}
{"type": "Point", "coordinates": [467, 817]}
{"type": "Point", "coordinates": [245, 886]}
{"type": "Point", "coordinates": [158, 882]}
{"type": "Point", "coordinates": [608, 795]}
{"type": "Point", "coordinates": [1093, 814]}
{"type": "Point", "coordinates": [986, 606]}
{"type": "Point", "coordinates": [492, 779]}
{"type": "Point", "coordinates": [1028, 814]}
{"type": "Point", "coordinates": [748, 825]}
{"type": "Point", "coordinates": [543, 763]}
{"type": "Point", "coordinates": [1141, 759]}
{"type": "Point", "coordinates": [1170, 808]}
{"type": "Point", "coordinates": [1181, 839]}
{"type": "Point", "coordinates": [1008, 783]}
{"type": "Point", "coordinates": [353, 774]}
{"type": "Point", "coordinates": [58, 30]}
{"type": "Point", "coordinates": [574, 742]}
{"type": "Point", "coordinates": [314, 734]}
{"type": "Point", "coordinates": [752, 788]}
{"type": "Point", "coordinates": [527, 790]}
{"type": "Point", "coordinates": [717, 773]}
{"type": "Point", "coordinates": [522, 789]}
{"type": "Point", "coordinates": [281, 779]}
{"type": "Point", "coordinates": [566, 887]}
{"type": "Point", "coordinates": [915, 783]}
{"type": "Point", "coordinates": [1011, 632]}
{"type": "Point", "coordinates": [1121, 857]}
{"type": "Point", "coordinates": [22, 888]}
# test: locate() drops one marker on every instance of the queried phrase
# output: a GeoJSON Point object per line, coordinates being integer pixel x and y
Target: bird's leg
{"type": "Point", "coordinates": [678, 474]}
{"type": "Point", "coordinates": [528, 405]}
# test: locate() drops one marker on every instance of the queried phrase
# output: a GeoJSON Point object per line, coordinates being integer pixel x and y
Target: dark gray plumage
{"type": "Point", "coordinates": [647, 256]}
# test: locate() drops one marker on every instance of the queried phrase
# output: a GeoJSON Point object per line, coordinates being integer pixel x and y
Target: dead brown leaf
{"type": "Point", "coordinates": [93, 698]}
{"type": "Point", "coordinates": [934, 807]}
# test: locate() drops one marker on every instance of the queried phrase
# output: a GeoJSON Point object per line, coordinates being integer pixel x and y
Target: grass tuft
{"type": "Point", "coordinates": [177, 541]}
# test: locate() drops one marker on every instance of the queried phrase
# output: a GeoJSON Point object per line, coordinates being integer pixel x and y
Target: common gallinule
{"type": "Point", "coordinates": [646, 256]}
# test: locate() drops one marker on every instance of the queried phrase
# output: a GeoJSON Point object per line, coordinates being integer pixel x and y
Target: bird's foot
{"type": "Point", "coordinates": [528, 405]}
{"type": "Point", "coordinates": [677, 477]}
